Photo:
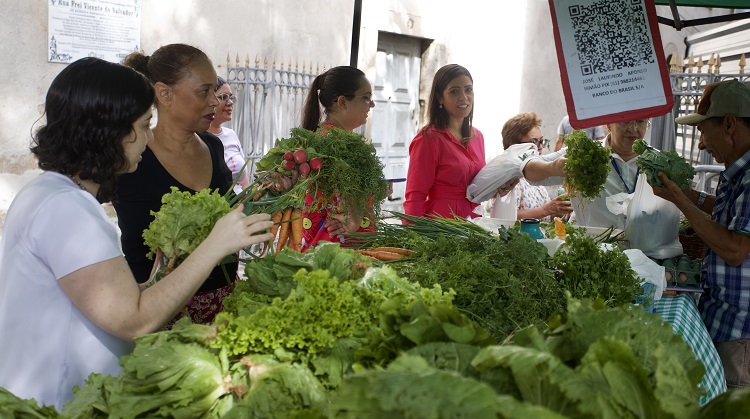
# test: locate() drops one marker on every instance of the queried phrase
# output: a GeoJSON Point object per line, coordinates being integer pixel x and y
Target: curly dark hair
{"type": "Point", "coordinates": [90, 108]}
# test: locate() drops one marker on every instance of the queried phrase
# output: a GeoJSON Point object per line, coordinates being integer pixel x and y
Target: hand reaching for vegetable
{"type": "Point", "coordinates": [236, 231]}
{"type": "Point", "coordinates": [670, 191]}
{"type": "Point", "coordinates": [339, 223]}
{"type": "Point", "coordinates": [558, 207]}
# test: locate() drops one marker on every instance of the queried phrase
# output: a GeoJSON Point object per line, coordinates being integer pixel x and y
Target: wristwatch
{"type": "Point", "coordinates": [701, 199]}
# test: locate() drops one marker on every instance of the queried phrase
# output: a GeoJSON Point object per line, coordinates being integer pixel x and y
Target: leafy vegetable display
{"type": "Point", "coordinates": [349, 173]}
{"type": "Point", "coordinates": [586, 270]}
{"type": "Point", "coordinates": [14, 407]}
{"type": "Point", "coordinates": [182, 223]}
{"type": "Point", "coordinates": [587, 166]}
{"type": "Point", "coordinates": [652, 161]}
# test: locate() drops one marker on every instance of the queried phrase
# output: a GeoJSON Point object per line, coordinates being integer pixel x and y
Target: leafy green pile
{"type": "Point", "coordinates": [12, 406]}
{"type": "Point", "coordinates": [501, 281]}
{"type": "Point", "coordinates": [587, 165]}
{"type": "Point", "coordinates": [183, 222]}
{"type": "Point", "coordinates": [598, 362]}
{"type": "Point", "coordinates": [652, 161]}
{"type": "Point", "coordinates": [588, 271]}
{"type": "Point", "coordinates": [351, 168]}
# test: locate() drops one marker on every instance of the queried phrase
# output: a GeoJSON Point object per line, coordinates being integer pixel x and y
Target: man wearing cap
{"type": "Point", "coordinates": [723, 119]}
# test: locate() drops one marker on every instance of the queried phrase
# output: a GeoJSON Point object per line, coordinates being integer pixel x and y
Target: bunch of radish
{"type": "Point", "coordinates": [299, 160]}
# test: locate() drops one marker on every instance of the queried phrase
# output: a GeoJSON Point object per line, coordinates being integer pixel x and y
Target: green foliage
{"type": "Point", "coordinates": [410, 388]}
{"type": "Point", "coordinates": [351, 168]}
{"type": "Point", "coordinates": [588, 271]}
{"type": "Point", "coordinates": [339, 310]}
{"type": "Point", "coordinates": [598, 362]}
{"type": "Point", "coordinates": [587, 166]}
{"type": "Point", "coordinates": [652, 161]}
{"type": "Point", "coordinates": [502, 284]}
{"type": "Point", "coordinates": [183, 222]}
{"type": "Point", "coordinates": [12, 406]}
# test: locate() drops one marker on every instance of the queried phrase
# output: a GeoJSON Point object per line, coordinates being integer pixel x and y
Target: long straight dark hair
{"type": "Point", "coordinates": [438, 117]}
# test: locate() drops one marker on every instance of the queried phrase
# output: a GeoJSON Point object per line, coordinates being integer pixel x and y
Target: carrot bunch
{"type": "Point", "coordinates": [287, 226]}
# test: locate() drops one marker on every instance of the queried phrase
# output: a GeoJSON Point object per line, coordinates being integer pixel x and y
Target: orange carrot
{"type": "Point", "coordinates": [276, 218]}
{"type": "Point", "coordinates": [296, 230]}
{"type": "Point", "coordinates": [398, 250]}
{"type": "Point", "coordinates": [380, 255]}
{"type": "Point", "coordinates": [284, 230]}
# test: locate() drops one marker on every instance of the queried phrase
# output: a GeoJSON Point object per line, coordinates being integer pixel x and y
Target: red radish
{"type": "Point", "coordinates": [289, 165]}
{"type": "Point", "coordinates": [304, 169]}
{"type": "Point", "coordinates": [316, 164]}
{"type": "Point", "coordinates": [300, 156]}
{"type": "Point", "coordinates": [289, 156]}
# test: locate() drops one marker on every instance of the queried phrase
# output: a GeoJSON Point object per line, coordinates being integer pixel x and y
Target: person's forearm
{"type": "Point", "coordinates": [163, 300]}
{"type": "Point", "coordinates": [538, 212]}
{"type": "Point", "coordinates": [708, 204]}
{"type": "Point", "coordinates": [730, 246]}
{"type": "Point", "coordinates": [537, 170]}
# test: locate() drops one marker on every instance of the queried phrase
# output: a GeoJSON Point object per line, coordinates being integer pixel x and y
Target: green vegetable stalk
{"type": "Point", "coordinates": [587, 166]}
{"type": "Point", "coordinates": [182, 223]}
{"type": "Point", "coordinates": [652, 161]}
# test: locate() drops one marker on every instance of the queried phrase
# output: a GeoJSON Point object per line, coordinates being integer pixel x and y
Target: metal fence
{"type": "Point", "coordinates": [688, 81]}
{"type": "Point", "coordinates": [269, 102]}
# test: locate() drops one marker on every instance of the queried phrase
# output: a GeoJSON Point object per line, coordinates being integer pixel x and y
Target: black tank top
{"type": "Point", "coordinates": [140, 192]}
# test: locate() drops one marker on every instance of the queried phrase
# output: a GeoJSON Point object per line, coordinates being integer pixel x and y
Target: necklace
{"type": "Point", "coordinates": [77, 182]}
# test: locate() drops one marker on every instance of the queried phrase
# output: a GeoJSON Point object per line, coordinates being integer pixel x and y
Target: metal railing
{"type": "Point", "coordinates": [269, 103]}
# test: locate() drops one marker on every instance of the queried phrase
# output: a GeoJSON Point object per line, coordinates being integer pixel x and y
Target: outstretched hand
{"type": "Point", "coordinates": [236, 231]}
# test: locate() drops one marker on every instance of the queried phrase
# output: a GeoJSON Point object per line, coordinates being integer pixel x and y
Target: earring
{"type": "Point", "coordinates": [441, 106]}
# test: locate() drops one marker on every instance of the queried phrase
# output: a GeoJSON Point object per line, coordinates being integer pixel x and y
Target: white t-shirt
{"type": "Point", "coordinates": [592, 132]}
{"type": "Point", "coordinates": [47, 345]}
{"type": "Point", "coordinates": [233, 155]}
{"type": "Point", "coordinates": [595, 213]}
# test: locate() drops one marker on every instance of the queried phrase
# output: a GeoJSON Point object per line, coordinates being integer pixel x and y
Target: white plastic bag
{"type": "Point", "coordinates": [499, 171]}
{"type": "Point", "coordinates": [505, 207]}
{"type": "Point", "coordinates": [650, 271]}
{"type": "Point", "coordinates": [652, 223]}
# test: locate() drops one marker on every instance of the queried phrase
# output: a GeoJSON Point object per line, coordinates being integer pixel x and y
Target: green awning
{"type": "Point", "coordinates": [678, 23]}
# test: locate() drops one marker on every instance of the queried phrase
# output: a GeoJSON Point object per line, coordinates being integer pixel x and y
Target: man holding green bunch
{"type": "Point", "coordinates": [723, 119]}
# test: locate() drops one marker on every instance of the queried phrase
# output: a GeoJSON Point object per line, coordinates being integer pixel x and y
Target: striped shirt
{"type": "Point", "coordinates": [725, 303]}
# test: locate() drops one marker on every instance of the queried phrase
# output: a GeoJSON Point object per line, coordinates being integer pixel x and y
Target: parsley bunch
{"type": "Point", "coordinates": [588, 271]}
{"type": "Point", "coordinates": [587, 166]}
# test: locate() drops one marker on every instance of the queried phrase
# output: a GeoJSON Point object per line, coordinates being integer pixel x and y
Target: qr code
{"type": "Point", "coordinates": [611, 35]}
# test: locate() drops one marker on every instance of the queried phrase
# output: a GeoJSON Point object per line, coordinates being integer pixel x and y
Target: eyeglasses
{"type": "Point", "coordinates": [367, 98]}
{"type": "Point", "coordinates": [540, 142]}
{"type": "Point", "coordinates": [639, 124]}
{"type": "Point", "coordinates": [224, 97]}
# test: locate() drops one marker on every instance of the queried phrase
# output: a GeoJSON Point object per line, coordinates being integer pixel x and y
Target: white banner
{"type": "Point", "coordinates": [106, 29]}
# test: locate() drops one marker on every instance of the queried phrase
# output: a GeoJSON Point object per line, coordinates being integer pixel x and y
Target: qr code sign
{"type": "Point", "coordinates": [611, 35]}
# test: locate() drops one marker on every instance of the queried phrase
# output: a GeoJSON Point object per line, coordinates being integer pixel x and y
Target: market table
{"type": "Point", "coordinates": [681, 311]}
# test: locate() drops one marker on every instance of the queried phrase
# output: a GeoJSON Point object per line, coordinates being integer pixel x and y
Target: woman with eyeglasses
{"type": "Point", "coordinates": [532, 201]}
{"type": "Point", "coordinates": [182, 154]}
{"type": "Point", "coordinates": [233, 154]}
{"type": "Point", "coordinates": [622, 177]}
{"type": "Point", "coordinates": [345, 95]}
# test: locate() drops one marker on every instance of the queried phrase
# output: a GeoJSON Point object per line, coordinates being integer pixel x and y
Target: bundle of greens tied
{"type": "Point", "coordinates": [587, 166]}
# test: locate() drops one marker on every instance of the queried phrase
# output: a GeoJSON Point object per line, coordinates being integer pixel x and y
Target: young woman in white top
{"type": "Point", "coordinates": [69, 304]}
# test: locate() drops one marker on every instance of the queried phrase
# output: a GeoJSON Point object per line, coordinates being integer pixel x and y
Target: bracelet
{"type": "Point", "coordinates": [701, 199]}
